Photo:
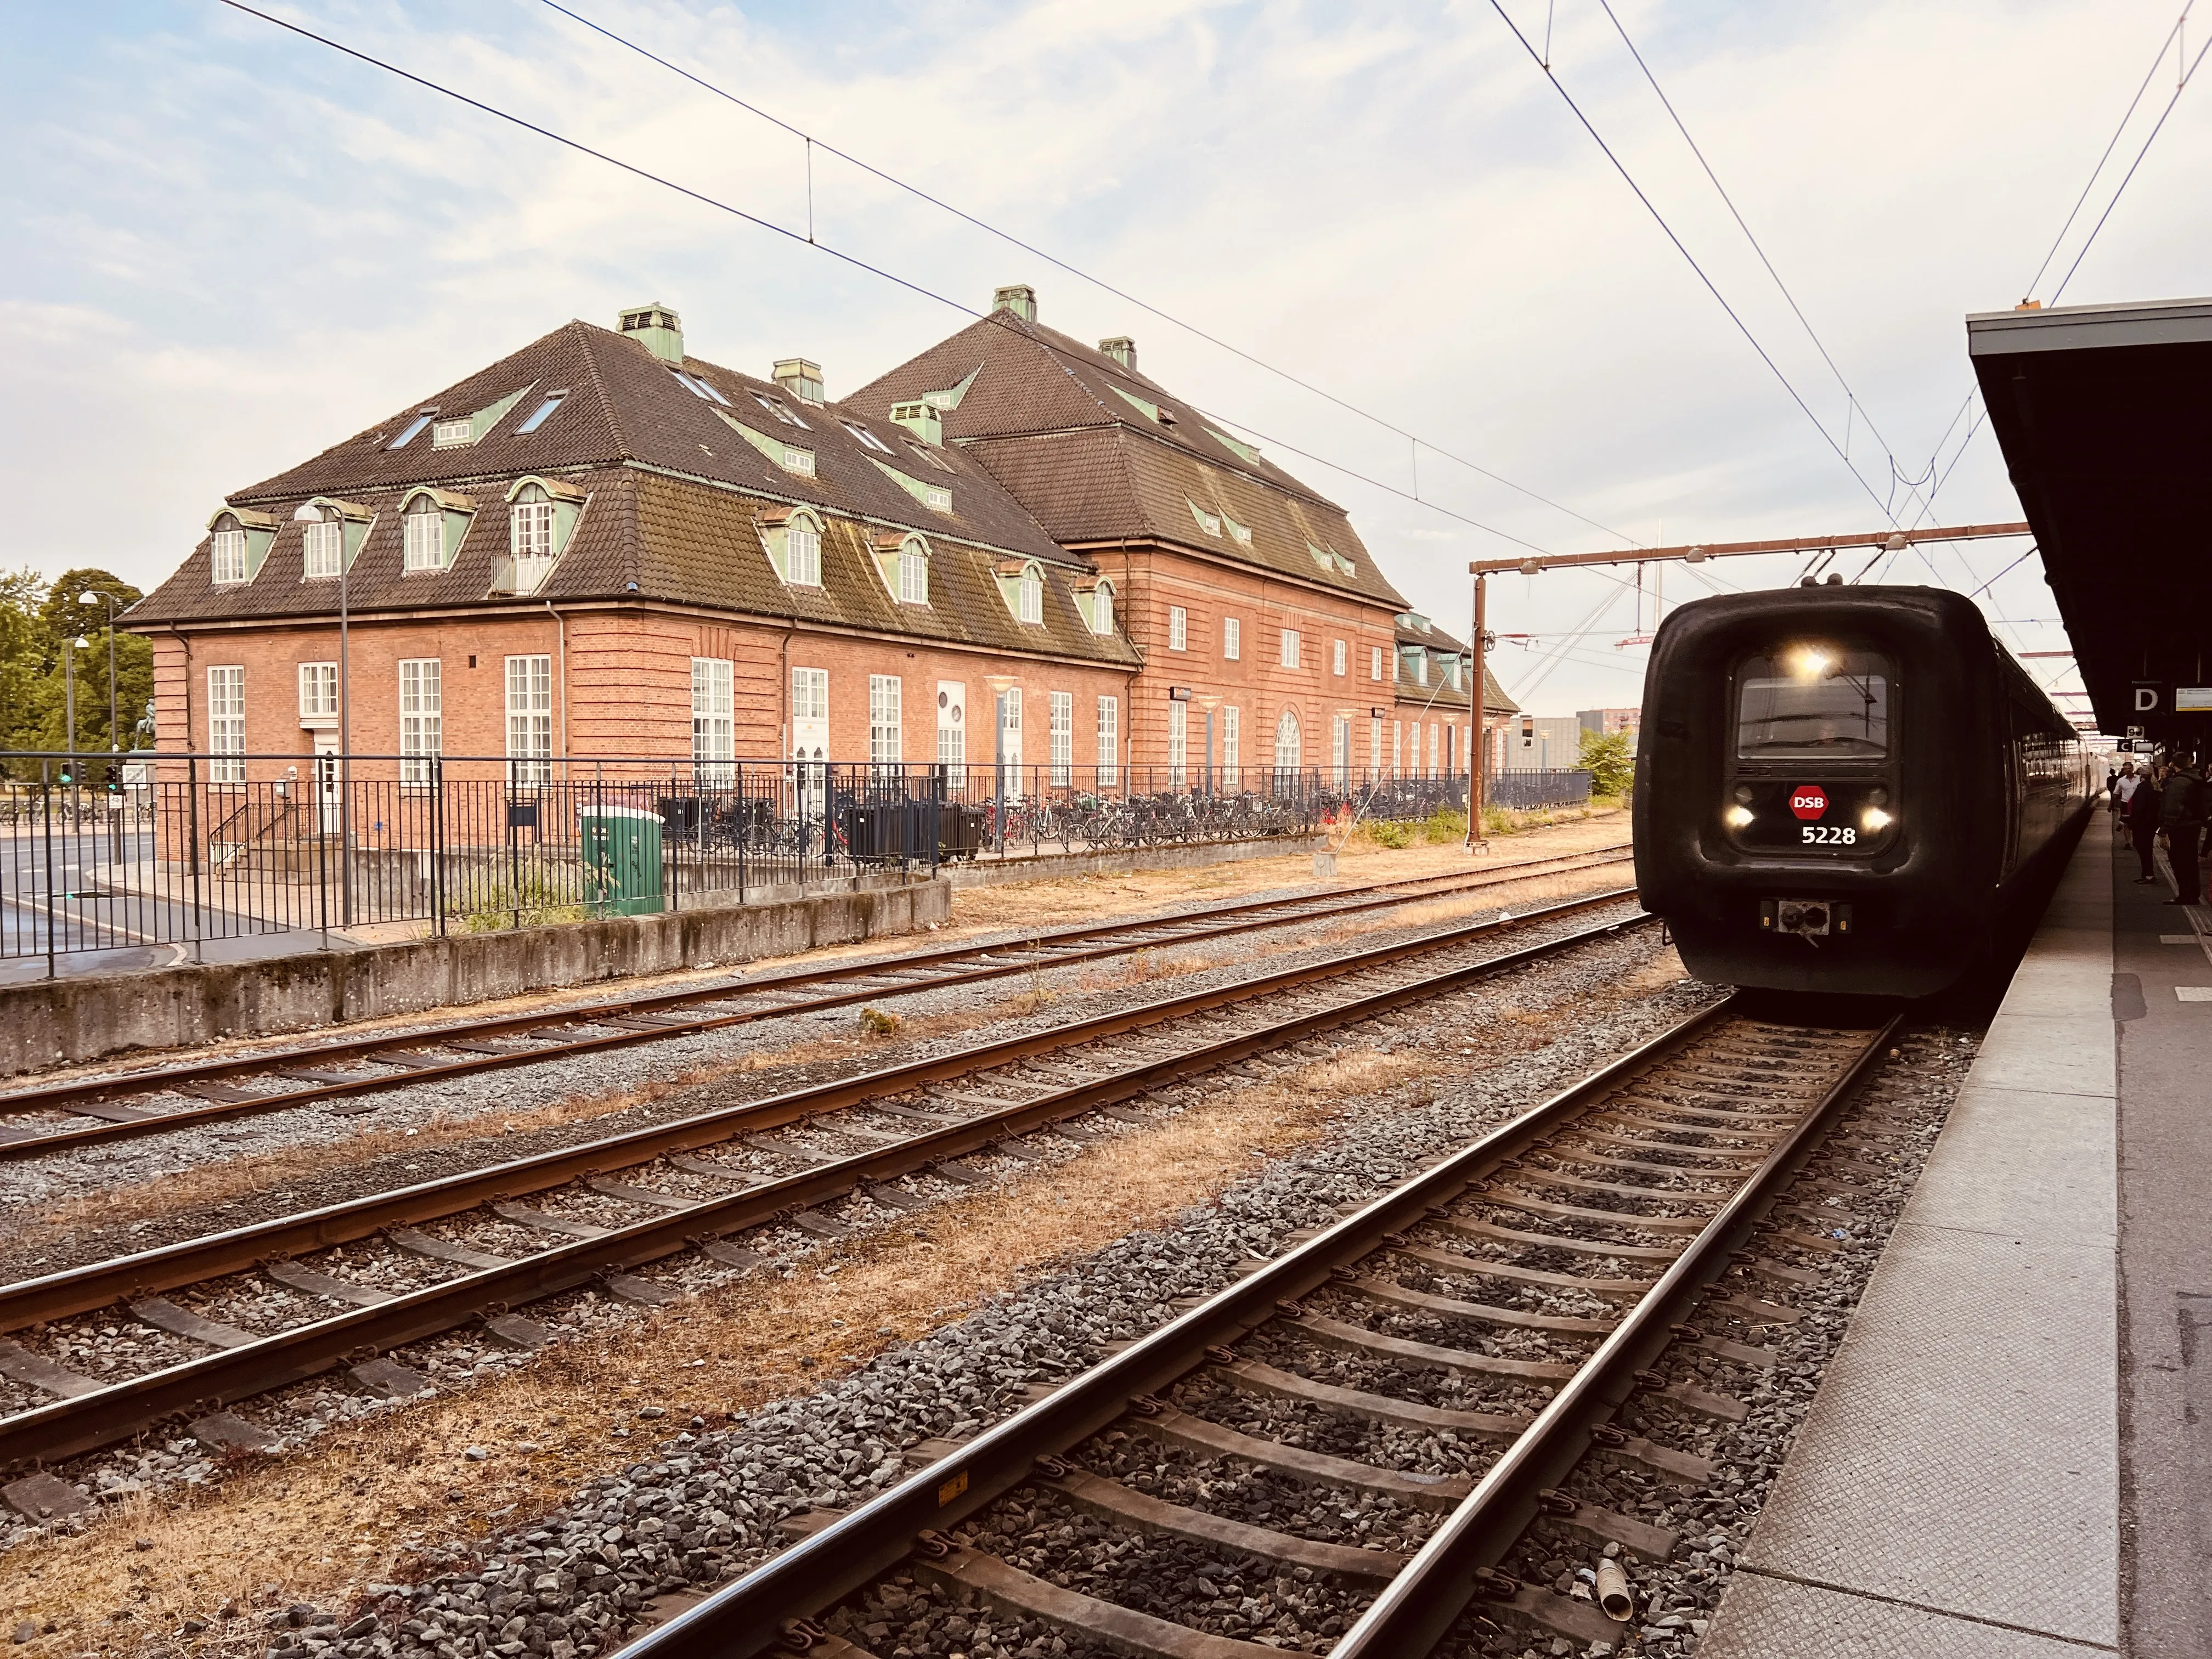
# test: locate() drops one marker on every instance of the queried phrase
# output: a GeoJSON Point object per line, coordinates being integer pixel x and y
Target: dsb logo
{"type": "Point", "coordinates": [1808, 801]}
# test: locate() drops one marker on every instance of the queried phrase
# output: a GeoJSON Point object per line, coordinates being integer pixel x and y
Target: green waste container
{"type": "Point", "coordinates": [622, 860]}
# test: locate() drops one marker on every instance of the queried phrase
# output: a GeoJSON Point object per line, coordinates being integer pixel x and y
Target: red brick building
{"type": "Point", "coordinates": [601, 546]}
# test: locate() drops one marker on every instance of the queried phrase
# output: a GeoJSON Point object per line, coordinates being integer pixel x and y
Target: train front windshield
{"type": "Point", "coordinates": [1809, 703]}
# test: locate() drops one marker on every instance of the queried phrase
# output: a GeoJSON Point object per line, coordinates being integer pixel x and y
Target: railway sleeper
{"type": "Point", "coordinates": [1435, 1492]}
{"type": "Point", "coordinates": [972, 1575]}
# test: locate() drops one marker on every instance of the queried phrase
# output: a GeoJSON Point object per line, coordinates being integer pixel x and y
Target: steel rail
{"type": "Point", "coordinates": [62, 1096]}
{"type": "Point", "coordinates": [1416, 1608]}
{"type": "Point", "coordinates": [750, 1616]}
{"type": "Point", "coordinates": [78, 1289]}
{"type": "Point", "coordinates": [71, 1426]}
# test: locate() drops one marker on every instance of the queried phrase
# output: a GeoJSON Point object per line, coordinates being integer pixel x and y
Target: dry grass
{"type": "Point", "coordinates": [320, 1526]}
{"type": "Point", "coordinates": [364, 1503]}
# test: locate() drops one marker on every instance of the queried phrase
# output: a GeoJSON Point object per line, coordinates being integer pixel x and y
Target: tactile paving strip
{"type": "Point", "coordinates": [1773, 1619]}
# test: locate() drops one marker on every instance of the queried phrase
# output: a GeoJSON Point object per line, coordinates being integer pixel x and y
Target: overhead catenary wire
{"type": "Point", "coordinates": [815, 142]}
{"type": "Point", "coordinates": [2111, 144]}
{"type": "Point", "coordinates": [1711, 288]}
{"type": "Point", "coordinates": [1852, 402]}
{"type": "Point", "coordinates": [821, 245]}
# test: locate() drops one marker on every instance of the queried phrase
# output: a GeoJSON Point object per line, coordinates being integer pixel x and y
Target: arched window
{"type": "Point", "coordinates": [913, 572]}
{"type": "Point", "coordinates": [1029, 603]}
{"type": "Point", "coordinates": [322, 544]}
{"type": "Point", "coordinates": [802, 551]}
{"type": "Point", "coordinates": [424, 541]}
{"type": "Point", "coordinates": [530, 536]}
{"type": "Point", "coordinates": [1287, 752]}
{"type": "Point", "coordinates": [227, 548]}
{"type": "Point", "coordinates": [1102, 609]}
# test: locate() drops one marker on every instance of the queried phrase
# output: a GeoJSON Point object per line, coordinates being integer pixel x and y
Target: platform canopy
{"type": "Point", "coordinates": [2105, 415]}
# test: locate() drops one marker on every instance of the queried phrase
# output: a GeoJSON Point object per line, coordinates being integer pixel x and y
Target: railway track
{"type": "Point", "coordinates": [1350, 1440]}
{"type": "Point", "coordinates": [466, 1250]}
{"type": "Point", "coordinates": [60, 1116]}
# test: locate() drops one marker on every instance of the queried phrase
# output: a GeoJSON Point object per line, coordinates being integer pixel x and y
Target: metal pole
{"type": "Point", "coordinates": [114, 743]}
{"type": "Point", "coordinates": [1477, 840]}
{"type": "Point", "coordinates": [345, 746]}
{"type": "Point", "coordinates": [68, 695]}
{"type": "Point", "coordinates": [998, 767]}
{"type": "Point", "coordinates": [46, 821]}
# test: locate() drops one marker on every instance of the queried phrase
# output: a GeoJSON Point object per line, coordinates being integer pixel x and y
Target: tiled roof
{"type": "Point", "coordinates": [644, 535]}
{"type": "Point", "coordinates": [1054, 421]}
{"type": "Point", "coordinates": [624, 404]}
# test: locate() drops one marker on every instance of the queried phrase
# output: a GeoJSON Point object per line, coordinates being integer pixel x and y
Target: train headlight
{"type": "Point", "coordinates": [1809, 662]}
{"type": "Point", "coordinates": [1737, 817]}
{"type": "Point", "coordinates": [1875, 818]}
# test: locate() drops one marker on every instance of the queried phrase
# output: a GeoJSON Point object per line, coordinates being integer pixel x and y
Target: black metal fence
{"type": "Point", "coordinates": [226, 853]}
{"type": "Point", "coordinates": [1528, 791]}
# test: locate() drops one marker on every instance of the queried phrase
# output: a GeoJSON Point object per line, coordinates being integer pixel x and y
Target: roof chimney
{"type": "Point", "coordinates": [801, 379]}
{"type": "Point", "coordinates": [1122, 350]}
{"type": "Point", "coordinates": [655, 327]}
{"type": "Point", "coordinates": [1020, 299]}
{"type": "Point", "coordinates": [923, 419]}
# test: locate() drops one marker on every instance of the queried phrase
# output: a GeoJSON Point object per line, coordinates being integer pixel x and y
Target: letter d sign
{"type": "Point", "coordinates": [2149, 699]}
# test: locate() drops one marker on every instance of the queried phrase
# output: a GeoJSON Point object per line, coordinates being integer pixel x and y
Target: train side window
{"type": "Point", "coordinates": [1809, 703]}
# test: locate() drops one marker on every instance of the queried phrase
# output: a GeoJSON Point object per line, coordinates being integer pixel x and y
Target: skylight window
{"type": "Point", "coordinates": [538, 415]}
{"type": "Point", "coordinates": [413, 430]}
{"type": "Point", "coordinates": [866, 436]}
{"type": "Point", "coordinates": [778, 408]}
{"type": "Point", "coordinates": [698, 389]}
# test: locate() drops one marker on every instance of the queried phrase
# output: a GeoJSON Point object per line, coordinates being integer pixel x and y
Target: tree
{"type": "Point", "coordinates": [38, 619]}
{"type": "Point", "coordinates": [1605, 756]}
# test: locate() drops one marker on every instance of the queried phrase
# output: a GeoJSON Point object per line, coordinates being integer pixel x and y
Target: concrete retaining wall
{"type": "Point", "coordinates": [57, 1021]}
{"type": "Point", "coordinates": [990, 873]}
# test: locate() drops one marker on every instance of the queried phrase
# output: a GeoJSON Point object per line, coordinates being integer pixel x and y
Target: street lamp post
{"type": "Point", "coordinates": [998, 685]}
{"type": "Point", "coordinates": [109, 599]}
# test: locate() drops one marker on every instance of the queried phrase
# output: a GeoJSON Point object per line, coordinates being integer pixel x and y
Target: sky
{"type": "Point", "coordinates": [231, 246]}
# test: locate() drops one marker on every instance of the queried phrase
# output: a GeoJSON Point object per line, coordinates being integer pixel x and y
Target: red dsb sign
{"type": "Point", "coordinates": [1809, 800]}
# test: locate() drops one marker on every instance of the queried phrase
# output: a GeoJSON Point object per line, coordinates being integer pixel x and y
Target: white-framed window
{"type": "Point", "coordinates": [810, 694]}
{"type": "Point", "coordinates": [1178, 743]}
{"type": "Point", "coordinates": [1375, 662]}
{"type": "Point", "coordinates": [1397, 746]}
{"type": "Point", "coordinates": [227, 724]}
{"type": "Point", "coordinates": [1011, 721]}
{"type": "Point", "coordinates": [1178, 628]}
{"type": "Point", "coordinates": [453, 434]}
{"type": "Point", "coordinates": [322, 548]}
{"type": "Point", "coordinates": [912, 575]}
{"type": "Point", "coordinates": [319, 691]}
{"type": "Point", "coordinates": [1336, 657]}
{"type": "Point", "coordinates": [1029, 595]}
{"type": "Point", "coordinates": [1339, 749]}
{"type": "Point", "coordinates": [1420, 667]}
{"type": "Point", "coordinates": [530, 719]}
{"type": "Point", "coordinates": [952, 731]}
{"type": "Point", "coordinates": [422, 717]}
{"type": "Point", "coordinates": [1109, 742]}
{"type": "Point", "coordinates": [1232, 738]}
{"type": "Point", "coordinates": [1102, 609]}
{"type": "Point", "coordinates": [1289, 742]}
{"type": "Point", "coordinates": [530, 536]}
{"type": "Point", "coordinates": [227, 552]}
{"type": "Point", "coordinates": [802, 553]}
{"type": "Point", "coordinates": [1290, 648]}
{"type": "Point", "coordinates": [883, 739]}
{"type": "Point", "coordinates": [1059, 708]}
{"type": "Point", "coordinates": [423, 541]}
{"type": "Point", "coordinates": [1375, 742]}
{"type": "Point", "coordinates": [1435, 732]}
{"type": "Point", "coordinates": [714, 712]}
{"type": "Point", "coordinates": [1232, 639]}
{"type": "Point", "coordinates": [798, 460]}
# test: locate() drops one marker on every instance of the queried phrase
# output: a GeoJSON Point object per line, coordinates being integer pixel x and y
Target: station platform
{"type": "Point", "coordinates": [2007, 1458]}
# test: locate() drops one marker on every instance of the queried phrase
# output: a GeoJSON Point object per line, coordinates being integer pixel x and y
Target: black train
{"type": "Point", "coordinates": [1846, 789]}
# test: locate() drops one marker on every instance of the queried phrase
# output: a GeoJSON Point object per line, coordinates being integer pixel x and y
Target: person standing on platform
{"type": "Point", "coordinates": [2122, 786]}
{"type": "Point", "coordinates": [2143, 822]}
{"type": "Point", "coordinates": [2181, 813]}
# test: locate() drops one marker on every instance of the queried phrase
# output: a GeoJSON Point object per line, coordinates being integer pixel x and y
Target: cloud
{"type": "Point", "coordinates": [239, 247]}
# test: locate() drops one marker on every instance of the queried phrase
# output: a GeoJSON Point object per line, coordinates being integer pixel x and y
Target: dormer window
{"type": "Point", "coordinates": [1102, 609]}
{"type": "Point", "coordinates": [1209, 522]}
{"type": "Point", "coordinates": [913, 572]}
{"type": "Point", "coordinates": [793, 536]}
{"type": "Point", "coordinates": [530, 536]}
{"type": "Point", "coordinates": [226, 548]}
{"type": "Point", "coordinates": [452, 434]}
{"type": "Point", "coordinates": [1029, 595]}
{"type": "Point", "coordinates": [432, 524]}
{"type": "Point", "coordinates": [322, 544]}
